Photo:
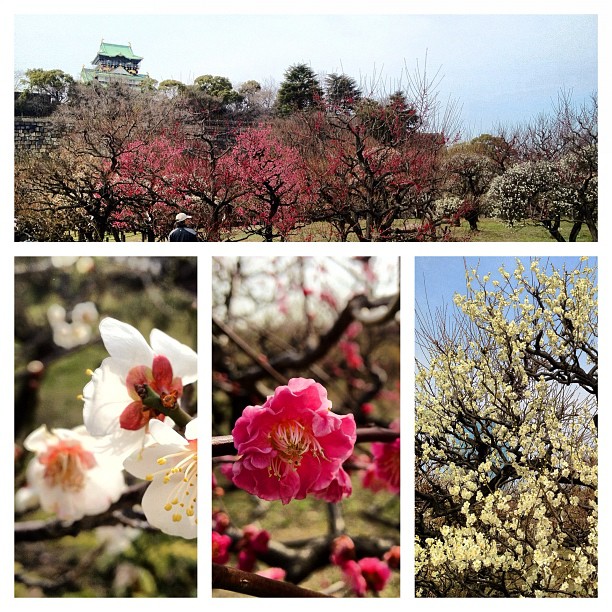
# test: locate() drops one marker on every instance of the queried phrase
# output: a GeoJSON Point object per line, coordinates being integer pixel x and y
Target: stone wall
{"type": "Point", "coordinates": [34, 135]}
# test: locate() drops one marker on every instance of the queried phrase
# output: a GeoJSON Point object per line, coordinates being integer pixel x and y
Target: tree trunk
{"type": "Point", "coordinates": [592, 225]}
{"type": "Point", "coordinates": [472, 219]}
{"type": "Point", "coordinates": [575, 231]}
{"type": "Point", "coordinates": [553, 229]}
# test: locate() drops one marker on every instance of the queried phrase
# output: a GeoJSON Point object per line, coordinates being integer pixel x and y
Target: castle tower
{"type": "Point", "coordinates": [114, 63]}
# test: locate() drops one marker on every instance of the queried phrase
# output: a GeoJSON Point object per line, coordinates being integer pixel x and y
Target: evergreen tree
{"type": "Point", "coordinates": [300, 89]}
{"type": "Point", "coordinates": [341, 91]}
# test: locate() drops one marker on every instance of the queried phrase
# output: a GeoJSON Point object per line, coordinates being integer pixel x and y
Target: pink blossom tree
{"type": "Point", "coordinates": [274, 184]}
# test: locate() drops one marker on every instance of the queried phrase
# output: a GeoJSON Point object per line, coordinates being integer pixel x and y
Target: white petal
{"type": "Point", "coordinates": [143, 463]}
{"type": "Point", "coordinates": [184, 360]}
{"type": "Point", "coordinates": [26, 498]}
{"type": "Point", "coordinates": [103, 485]}
{"type": "Point", "coordinates": [39, 439]}
{"type": "Point", "coordinates": [163, 433]}
{"type": "Point", "coordinates": [119, 445]}
{"type": "Point", "coordinates": [125, 344]}
{"type": "Point", "coordinates": [191, 430]}
{"type": "Point", "coordinates": [153, 503]}
{"type": "Point", "coordinates": [105, 397]}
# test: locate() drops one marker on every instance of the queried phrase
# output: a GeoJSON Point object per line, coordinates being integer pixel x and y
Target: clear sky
{"type": "Point", "coordinates": [437, 279]}
{"type": "Point", "coordinates": [500, 68]}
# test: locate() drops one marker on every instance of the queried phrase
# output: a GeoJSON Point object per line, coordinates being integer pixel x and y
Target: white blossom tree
{"type": "Point", "coordinates": [506, 437]}
{"type": "Point", "coordinates": [557, 179]}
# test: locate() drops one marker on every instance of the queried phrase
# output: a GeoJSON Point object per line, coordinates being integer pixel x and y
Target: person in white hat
{"type": "Point", "coordinates": [182, 233]}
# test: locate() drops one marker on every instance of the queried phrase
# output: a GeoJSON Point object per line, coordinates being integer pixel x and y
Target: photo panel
{"type": "Point", "coordinates": [306, 413]}
{"type": "Point", "coordinates": [506, 426]}
{"type": "Point", "coordinates": [401, 138]}
{"type": "Point", "coordinates": [105, 426]}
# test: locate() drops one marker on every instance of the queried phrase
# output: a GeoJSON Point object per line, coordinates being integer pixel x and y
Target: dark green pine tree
{"type": "Point", "coordinates": [300, 90]}
{"type": "Point", "coordinates": [341, 91]}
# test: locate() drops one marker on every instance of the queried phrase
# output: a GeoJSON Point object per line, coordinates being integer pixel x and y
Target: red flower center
{"type": "Point", "coordinates": [292, 441]}
{"type": "Point", "coordinates": [139, 382]}
{"type": "Point", "coordinates": [65, 465]}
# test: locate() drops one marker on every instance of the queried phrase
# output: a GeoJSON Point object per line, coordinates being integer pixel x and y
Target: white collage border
{"type": "Point", "coordinates": [205, 252]}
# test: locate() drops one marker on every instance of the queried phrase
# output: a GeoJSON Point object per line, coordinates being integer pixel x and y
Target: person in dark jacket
{"type": "Point", "coordinates": [182, 233]}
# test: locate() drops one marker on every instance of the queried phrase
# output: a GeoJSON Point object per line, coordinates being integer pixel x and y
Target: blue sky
{"type": "Point", "coordinates": [437, 279]}
{"type": "Point", "coordinates": [499, 68]}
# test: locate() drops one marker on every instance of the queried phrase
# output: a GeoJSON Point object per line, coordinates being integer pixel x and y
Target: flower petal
{"type": "Point", "coordinates": [125, 343]}
{"type": "Point", "coordinates": [105, 398]}
{"type": "Point", "coordinates": [184, 360]}
{"type": "Point", "coordinates": [162, 433]}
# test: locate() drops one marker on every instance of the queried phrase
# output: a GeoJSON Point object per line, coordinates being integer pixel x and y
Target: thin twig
{"type": "Point", "coordinates": [259, 359]}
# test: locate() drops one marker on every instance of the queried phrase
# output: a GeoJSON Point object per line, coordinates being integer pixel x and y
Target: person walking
{"type": "Point", "coordinates": [182, 233]}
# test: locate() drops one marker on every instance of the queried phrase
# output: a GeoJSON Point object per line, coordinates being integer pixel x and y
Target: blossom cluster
{"type": "Point", "coordinates": [531, 190]}
{"type": "Point", "coordinates": [365, 574]}
{"type": "Point", "coordinates": [131, 406]}
{"type": "Point", "coordinates": [74, 332]}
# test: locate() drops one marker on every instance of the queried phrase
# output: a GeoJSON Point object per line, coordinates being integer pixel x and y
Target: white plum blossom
{"type": "Point", "coordinates": [530, 190]}
{"type": "Point", "coordinates": [67, 477]}
{"type": "Point", "coordinates": [171, 466]}
{"type": "Point", "coordinates": [78, 331]}
{"type": "Point", "coordinates": [121, 398]}
{"type": "Point", "coordinates": [84, 313]}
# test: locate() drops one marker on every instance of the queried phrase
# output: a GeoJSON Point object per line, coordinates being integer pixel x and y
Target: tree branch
{"type": "Point", "coordinates": [247, 583]}
{"type": "Point", "coordinates": [34, 531]}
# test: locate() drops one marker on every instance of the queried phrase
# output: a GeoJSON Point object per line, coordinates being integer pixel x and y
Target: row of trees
{"type": "Point", "coordinates": [249, 163]}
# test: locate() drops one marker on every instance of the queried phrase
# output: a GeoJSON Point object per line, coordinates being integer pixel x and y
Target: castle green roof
{"type": "Point", "coordinates": [111, 50]}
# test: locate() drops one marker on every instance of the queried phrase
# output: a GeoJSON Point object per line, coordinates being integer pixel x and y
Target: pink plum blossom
{"type": "Point", "coordinates": [352, 354]}
{"type": "Point", "coordinates": [220, 547]}
{"type": "Point", "coordinates": [253, 541]}
{"type": "Point", "coordinates": [366, 574]}
{"type": "Point", "coordinates": [367, 408]}
{"type": "Point", "coordinates": [171, 466]}
{"type": "Point", "coordinates": [387, 463]}
{"type": "Point", "coordinates": [274, 573]}
{"type": "Point", "coordinates": [342, 550]}
{"type": "Point", "coordinates": [392, 557]}
{"type": "Point", "coordinates": [339, 488]}
{"type": "Point", "coordinates": [293, 445]}
{"type": "Point", "coordinates": [369, 478]}
{"type": "Point", "coordinates": [375, 572]}
{"type": "Point", "coordinates": [68, 479]}
{"type": "Point", "coordinates": [354, 578]}
{"type": "Point", "coordinates": [220, 521]}
{"type": "Point", "coordinates": [116, 408]}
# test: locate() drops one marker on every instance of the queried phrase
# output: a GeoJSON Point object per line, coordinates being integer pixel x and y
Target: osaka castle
{"type": "Point", "coordinates": [114, 63]}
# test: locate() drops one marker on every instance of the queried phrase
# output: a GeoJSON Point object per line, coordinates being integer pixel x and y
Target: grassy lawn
{"type": "Point", "coordinates": [489, 230]}
{"type": "Point", "coordinates": [492, 230]}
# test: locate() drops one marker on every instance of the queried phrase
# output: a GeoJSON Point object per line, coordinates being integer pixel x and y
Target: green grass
{"type": "Point", "coordinates": [493, 230]}
{"type": "Point", "coordinates": [489, 230]}
{"type": "Point", "coordinates": [60, 405]}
